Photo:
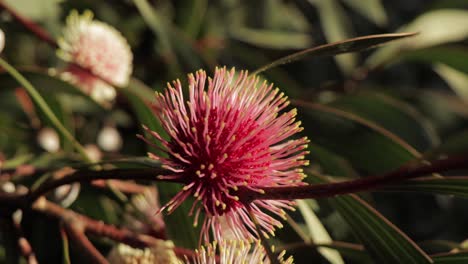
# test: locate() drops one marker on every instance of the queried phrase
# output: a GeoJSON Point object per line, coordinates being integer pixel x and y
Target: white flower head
{"type": "Point", "coordinates": [96, 47]}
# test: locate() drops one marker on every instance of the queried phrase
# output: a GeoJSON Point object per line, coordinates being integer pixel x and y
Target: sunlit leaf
{"type": "Point", "coordinates": [456, 79]}
{"type": "Point", "coordinates": [434, 27]}
{"type": "Point", "coordinates": [317, 232]}
{"type": "Point", "coordinates": [336, 27]}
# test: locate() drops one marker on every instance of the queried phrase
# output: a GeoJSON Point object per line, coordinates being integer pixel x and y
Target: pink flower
{"type": "Point", "coordinates": [230, 134]}
{"type": "Point", "coordinates": [98, 49]}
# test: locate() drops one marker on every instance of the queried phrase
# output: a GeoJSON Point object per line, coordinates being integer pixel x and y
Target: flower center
{"type": "Point", "coordinates": [227, 152]}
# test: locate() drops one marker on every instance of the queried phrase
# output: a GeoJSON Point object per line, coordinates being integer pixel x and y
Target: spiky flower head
{"type": "Point", "coordinates": [236, 252]}
{"type": "Point", "coordinates": [101, 52]}
{"type": "Point", "coordinates": [231, 133]}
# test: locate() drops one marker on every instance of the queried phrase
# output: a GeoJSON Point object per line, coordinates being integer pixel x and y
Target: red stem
{"type": "Point", "coordinates": [364, 184]}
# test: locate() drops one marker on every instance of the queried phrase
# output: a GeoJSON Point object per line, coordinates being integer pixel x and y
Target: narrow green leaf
{"type": "Point", "coordinates": [371, 9]}
{"type": "Point", "coordinates": [453, 56]}
{"type": "Point", "coordinates": [317, 232]}
{"type": "Point", "coordinates": [44, 107]}
{"type": "Point", "coordinates": [393, 115]}
{"type": "Point", "coordinates": [272, 39]}
{"type": "Point", "coordinates": [454, 144]}
{"type": "Point", "coordinates": [336, 27]}
{"type": "Point", "coordinates": [160, 28]}
{"type": "Point", "coordinates": [457, 186]}
{"type": "Point", "coordinates": [456, 79]}
{"type": "Point", "coordinates": [365, 144]}
{"type": "Point", "coordinates": [349, 45]}
{"type": "Point", "coordinates": [434, 27]}
{"type": "Point", "coordinates": [452, 258]}
{"type": "Point", "coordinates": [193, 16]}
{"type": "Point", "coordinates": [384, 241]}
{"type": "Point", "coordinates": [331, 163]}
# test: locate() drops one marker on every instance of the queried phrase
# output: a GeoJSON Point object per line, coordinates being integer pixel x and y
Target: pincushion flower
{"type": "Point", "coordinates": [236, 252]}
{"type": "Point", "coordinates": [232, 133]}
{"type": "Point", "coordinates": [98, 54]}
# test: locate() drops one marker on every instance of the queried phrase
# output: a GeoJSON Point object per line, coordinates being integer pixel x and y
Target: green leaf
{"type": "Point", "coordinates": [393, 115]}
{"type": "Point", "coordinates": [349, 45]}
{"type": "Point", "coordinates": [193, 16]}
{"type": "Point", "coordinates": [384, 241]}
{"type": "Point", "coordinates": [457, 186]}
{"type": "Point", "coordinates": [178, 224]}
{"type": "Point", "coordinates": [371, 9]}
{"type": "Point", "coordinates": [336, 27]}
{"type": "Point", "coordinates": [457, 80]}
{"type": "Point", "coordinates": [331, 163]}
{"type": "Point", "coordinates": [365, 144]}
{"type": "Point", "coordinates": [160, 28]}
{"type": "Point", "coordinates": [455, 57]}
{"type": "Point", "coordinates": [39, 100]}
{"type": "Point", "coordinates": [434, 27]}
{"type": "Point", "coordinates": [452, 258]}
{"type": "Point", "coordinates": [454, 144]}
{"type": "Point", "coordinates": [272, 39]}
{"type": "Point", "coordinates": [317, 232]}
{"type": "Point", "coordinates": [49, 84]}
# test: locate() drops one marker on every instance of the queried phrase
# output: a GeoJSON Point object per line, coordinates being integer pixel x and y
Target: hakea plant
{"type": "Point", "coordinates": [236, 252]}
{"type": "Point", "coordinates": [232, 133]}
{"type": "Point", "coordinates": [99, 56]}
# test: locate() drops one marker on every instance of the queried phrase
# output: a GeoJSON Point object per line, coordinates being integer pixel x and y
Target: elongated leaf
{"type": "Point", "coordinates": [48, 84]}
{"type": "Point", "coordinates": [456, 79]}
{"type": "Point", "coordinates": [336, 27]}
{"type": "Point", "coordinates": [455, 144]}
{"type": "Point", "coordinates": [434, 27]}
{"type": "Point", "coordinates": [384, 241]}
{"type": "Point", "coordinates": [457, 186]}
{"type": "Point", "coordinates": [365, 144]}
{"type": "Point", "coordinates": [455, 57]}
{"type": "Point", "coordinates": [350, 45]}
{"type": "Point", "coordinates": [453, 258]}
{"type": "Point", "coordinates": [44, 108]}
{"type": "Point", "coordinates": [393, 115]}
{"type": "Point", "coordinates": [330, 162]}
{"type": "Point", "coordinates": [371, 9]}
{"type": "Point", "coordinates": [271, 39]}
{"type": "Point", "coordinates": [317, 232]}
{"type": "Point", "coordinates": [159, 27]}
{"type": "Point", "coordinates": [178, 224]}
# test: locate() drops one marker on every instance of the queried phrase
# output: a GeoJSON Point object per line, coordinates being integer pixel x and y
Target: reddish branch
{"type": "Point", "coordinates": [82, 242]}
{"type": "Point", "coordinates": [31, 26]}
{"type": "Point", "coordinates": [84, 224]}
{"type": "Point", "coordinates": [363, 184]}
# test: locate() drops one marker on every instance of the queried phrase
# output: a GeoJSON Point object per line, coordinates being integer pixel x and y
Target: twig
{"type": "Point", "coordinates": [91, 175]}
{"type": "Point", "coordinates": [363, 184]}
{"type": "Point", "coordinates": [82, 242]}
{"type": "Point", "coordinates": [25, 247]}
{"type": "Point", "coordinates": [100, 229]}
